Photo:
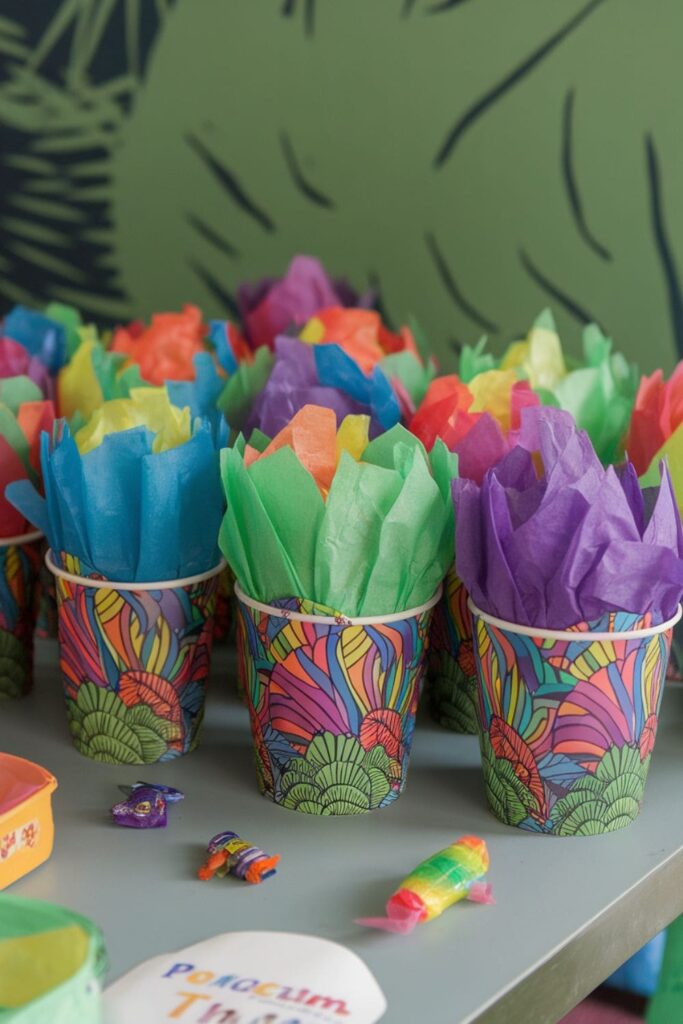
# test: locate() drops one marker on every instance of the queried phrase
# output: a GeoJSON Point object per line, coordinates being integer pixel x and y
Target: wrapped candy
{"type": "Point", "coordinates": [228, 854]}
{"type": "Point", "coordinates": [321, 514]}
{"type": "Point", "coordinates": [145, 805]}
{"type": "Point", "coordinates": [39, 334]}
{"type": "Point", "coordinates": [445, 878]}
{"type": "Point", "coordinates": [164, 350]}
{"type": "Point", "coordinates": [135, 495]}
{"type": "Point", "coordinates": [569, 545]}
{"type": "Point", "coordinates": [271, 306]}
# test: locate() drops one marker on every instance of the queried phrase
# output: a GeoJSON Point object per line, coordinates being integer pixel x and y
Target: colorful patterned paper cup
{"type": "Point", "coordinates": [46, 621]}
{"type": "Point", "coordinates": [675, 669]}
{"type": "Point", "coordinates": [225, 605]}
{"type": "Point", "coordinates": [332, 703]}
{"type": "Point", "coordinates": [135, 661]}
{"type": "Point", "coordinates": [568, 719]}
{"type": "Point", "coordinates": [20, 561]}
{"type": "Point", "coordinates": [451, 672]}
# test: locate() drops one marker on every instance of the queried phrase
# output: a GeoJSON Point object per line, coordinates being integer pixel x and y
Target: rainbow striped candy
{"type": "Point", "coordinates": [437, 883]}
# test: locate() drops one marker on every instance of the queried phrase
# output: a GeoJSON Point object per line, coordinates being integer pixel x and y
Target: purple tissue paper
{"type": "Point", "coordinates": [572, 542]}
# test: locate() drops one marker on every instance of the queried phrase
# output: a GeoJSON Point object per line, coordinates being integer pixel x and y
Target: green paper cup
{"type": "Point", "coordinates": [568, 719]}
{"type": "Point", "coordinates": [452, 673]}
{"type": "Point", "coordinates": [332, 703]}
{"type": "Point", "coordinates": [20, 562]}
{"type": "Point", "coordinates": [135, 660]}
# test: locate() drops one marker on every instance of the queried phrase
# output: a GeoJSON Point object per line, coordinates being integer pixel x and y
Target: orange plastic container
{"type": "Point", "coordinates": [27, 829]}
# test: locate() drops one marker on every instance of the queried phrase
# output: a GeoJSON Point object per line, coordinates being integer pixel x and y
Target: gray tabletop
{"type": "Point", "coordinates": [568, 911]}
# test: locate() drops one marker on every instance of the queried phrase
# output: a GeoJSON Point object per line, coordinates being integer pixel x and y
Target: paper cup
{"type": "Point", "coordinates": [568, 719]}
{"type": "Point", "coordinates": [675, 669]}
{"type": "Point", "coordinates": [20, 561]}
{"type": "Point", "coordinates": [332, 703]}
{"type": "Point", "coordinates": [135, 660]}
{"type": "Point", "coordinates": [452, 673]}
{"type": "Point", "coordinates": [225, 600]}
{"type": "Point", "coordinates": [46, 621]}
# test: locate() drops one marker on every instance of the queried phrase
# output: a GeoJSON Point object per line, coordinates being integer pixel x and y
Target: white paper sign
{"type": "Point", "coordinates": [249, 978]}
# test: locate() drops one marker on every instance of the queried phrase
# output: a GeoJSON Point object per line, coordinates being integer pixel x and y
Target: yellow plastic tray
{"type": "Point", "coordinates": [26, 824]}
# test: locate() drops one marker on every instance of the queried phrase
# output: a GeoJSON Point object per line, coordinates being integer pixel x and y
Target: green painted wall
{"type": "Point", "coordinates": [476, 159]}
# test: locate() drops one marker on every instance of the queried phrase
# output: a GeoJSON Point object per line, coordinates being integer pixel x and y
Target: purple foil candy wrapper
{"type": "Point", "coordinates": [145, 806]}
{"type": "Point", "coordinates": [572, 545]}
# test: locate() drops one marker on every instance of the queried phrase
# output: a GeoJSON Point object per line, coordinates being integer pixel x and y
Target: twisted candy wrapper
{"type": "Point", "coordinates": [322, 515]}
{"type": "Point", "coordinates": [271, 306]}
{"type": "Point", "coordinates": [571, 545]}
{"type": "Point", "coordinates": [130, 504]}
{"type": "Point", "coordinates": [164, 350]}
{"type": "Point", "coordinates": [321, 375]}
{"type": "Point", "coordinates": [455, 873]}
{"type": "Point", "coordinates": [41, 336]}
{"type": "Point", "coordinates": [23, 415]}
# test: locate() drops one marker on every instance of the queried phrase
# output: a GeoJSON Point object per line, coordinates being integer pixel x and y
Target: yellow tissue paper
{"type": "Point", "coordinates": [77, 384]}
{"type": "Point", "coordinates": [352, 436]}
{"type": "Point", "coordinates": [539, 357]}
{"type": "Point", "coordinates": [491, 390]}
{"type": "Point", "coordinates": [672, 451]}
{"type": "Point", "coordinates": [146, 407]}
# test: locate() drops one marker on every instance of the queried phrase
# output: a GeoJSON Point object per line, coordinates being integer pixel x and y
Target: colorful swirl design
{"type": "Point", "coordinates": [19, 571]}
{"type": "Point", "coordinates": [135, 665]}
{"type": "Point", "coordinates": [568, 726]}
{"type": "Point", "coordinates": [332, 707]}
{"type": "Point", "coordinates": [452, 671]}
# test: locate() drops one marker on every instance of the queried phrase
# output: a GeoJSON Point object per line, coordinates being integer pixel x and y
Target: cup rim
{"type": "Point", "coordinates": [85, 581]}
{"type": "Point", "coordinates": [21, 538]}
{"type": "Point", "coordinates": [575, 634]}
{"type": "Point", "coordinates": [332, 620]}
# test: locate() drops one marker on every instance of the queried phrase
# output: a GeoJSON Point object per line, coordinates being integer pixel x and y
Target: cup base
{"type": "Point", "coordinates": [338, 776]}
{"type": "Point", "coordinates": [342, 808]}
{"type": "Point", "coordinates": [606, 800]}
